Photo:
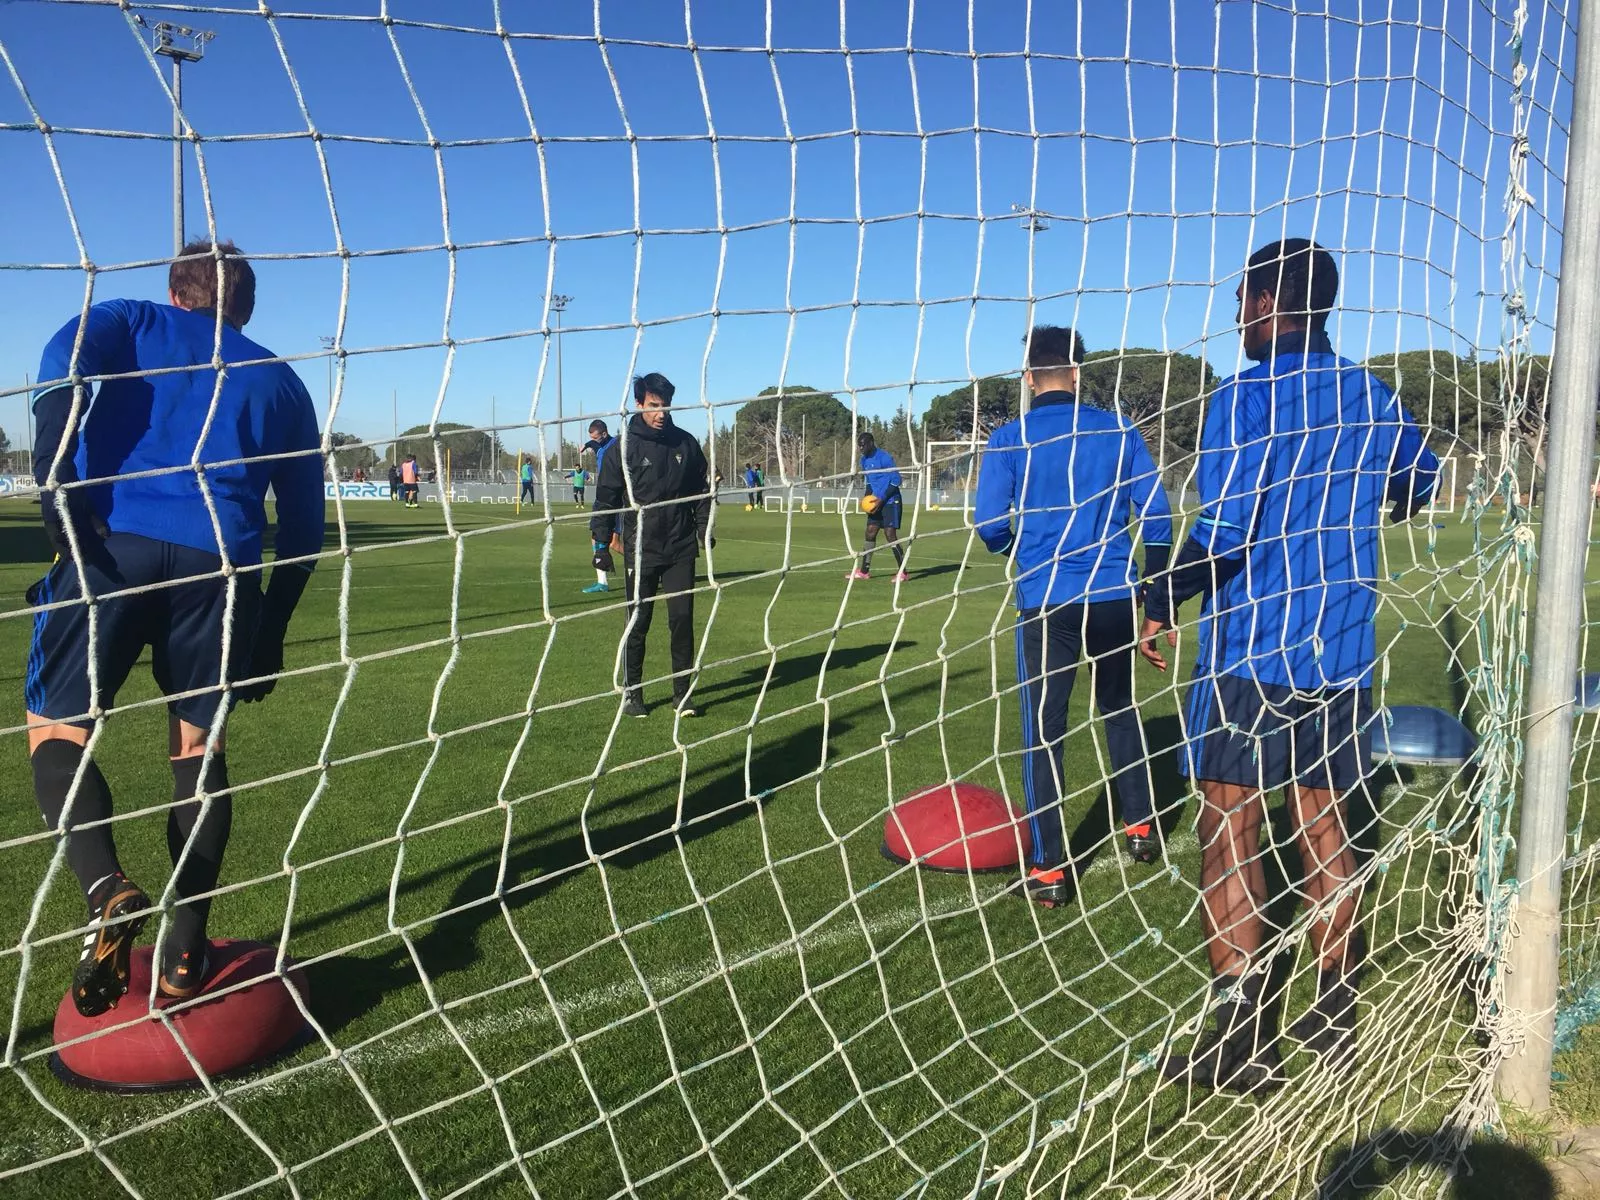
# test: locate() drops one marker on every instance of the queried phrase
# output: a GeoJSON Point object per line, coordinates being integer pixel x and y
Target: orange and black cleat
{"type": "Point", "coordinates": [1047, 888]}
{"type": "Point", "coordinates": [118, 910]}
{"type": "Point", "coordinates": [183, 974]}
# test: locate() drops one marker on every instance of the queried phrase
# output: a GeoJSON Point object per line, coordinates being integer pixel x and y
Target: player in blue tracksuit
{"type": "Point", "coordinates": [1075, 477]}
{"type": "Point", "coordinates": [1299, 456]}
{"type": "Point", "coordinates": [142, 531]}
{"type": "Point", "coordinates": [600, 440]}
{"type": "Point", "coordinates": [752, 480]}
{"type": "Point", "coordinates": [882, 483]}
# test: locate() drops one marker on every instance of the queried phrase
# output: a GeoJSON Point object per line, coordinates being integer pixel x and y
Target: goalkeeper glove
{"type": "Point", "coordinates": [266, 655]}
{"type": "Point", "coordinates": [58, 507]}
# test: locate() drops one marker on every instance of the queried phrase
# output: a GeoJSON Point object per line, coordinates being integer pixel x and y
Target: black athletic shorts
{"type": "Point", "coordinates": [182, 619]}
{"type": "Point", "coordinates": [1263, 735]}
{"type": "Point", "coordinates": [887, 514]}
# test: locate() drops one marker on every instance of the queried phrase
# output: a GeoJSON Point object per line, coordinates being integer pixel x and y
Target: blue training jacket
{"type": "Point", "coordinates": [1298, 457]}
{"type": "Point", "coordinates": [149, 422]}
{"type": "Point", "coordinates": [880, 472]}
{"type": "Point", "coordinates": [1075, 477]}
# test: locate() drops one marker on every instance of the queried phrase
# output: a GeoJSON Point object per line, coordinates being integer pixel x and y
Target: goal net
{"type": "Point", "coordinates": [552, 950]}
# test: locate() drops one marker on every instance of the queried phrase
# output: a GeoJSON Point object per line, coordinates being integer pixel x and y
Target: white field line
{"type": "Point", "coordinates": [423, 1040]}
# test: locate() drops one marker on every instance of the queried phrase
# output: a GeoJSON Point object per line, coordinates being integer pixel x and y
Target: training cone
{"type": "Point", "coordinates": [126, 1049]}
{"type": "Point", "coordinates": [1415, 735]}
{"type": "Point", "coordinates": [956, 827]}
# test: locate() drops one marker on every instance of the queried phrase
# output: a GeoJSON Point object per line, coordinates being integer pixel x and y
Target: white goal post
{"type": "Point", "coordinates": [949, 476]}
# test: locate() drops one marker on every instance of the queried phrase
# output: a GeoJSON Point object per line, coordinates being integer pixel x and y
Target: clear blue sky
{"type": "Point", "coordinates": [1172, 139]}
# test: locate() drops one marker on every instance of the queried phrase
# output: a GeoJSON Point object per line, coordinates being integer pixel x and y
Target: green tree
{"type": "Point", "coordinates": [958, 416]}
{"type": "Point", "coordinates": [1161, 392]}
{"type": "Point", "coordinates": [809, 418]}
{"type": "Point", "coordinates": [470, 449]}
{"type": "Point", "coordinates": [357, 455]}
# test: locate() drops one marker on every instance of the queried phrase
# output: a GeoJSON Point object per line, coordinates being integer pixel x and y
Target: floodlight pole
{"type": "Point", "coordinates": [181, 44]}
{"type": "Point", "coordinates": [559, 303]}
{"type": "Point", "coordinates": [1033, 221]}
{"type": "Point", "coordinates": [1533, 955]}
{"type": "Point", "coordinates": [328, 344]}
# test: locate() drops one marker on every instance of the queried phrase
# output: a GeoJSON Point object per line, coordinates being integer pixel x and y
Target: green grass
{"type": "Point", "coordinates": [667, 959]}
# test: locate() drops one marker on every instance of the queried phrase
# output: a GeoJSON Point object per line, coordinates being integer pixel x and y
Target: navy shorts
{"type": "Point", "coordinates": [1266, 736]}
{"type": "Point", "coordinates": [181, 617]}
{"type": "Point", "coordinates": [887, 515]}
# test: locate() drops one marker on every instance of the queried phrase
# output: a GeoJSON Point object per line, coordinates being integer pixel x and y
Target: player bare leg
{"type": "Point", "coordinates": [199, 826]}
{"type": "Point", "coordinates": [1241, 1054]}
{"type": "Point", "coordinates": [68, 783]}
{"type": "Point", "coordinates": [1323, 838]}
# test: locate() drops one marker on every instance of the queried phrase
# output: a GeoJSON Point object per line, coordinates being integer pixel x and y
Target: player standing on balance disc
{"type": "Point", "coordinates": [882, 505]}
{"type": "Point", "coordinates": [151, 538]}
{"type": "Point", "coordinates": [1298, 455]}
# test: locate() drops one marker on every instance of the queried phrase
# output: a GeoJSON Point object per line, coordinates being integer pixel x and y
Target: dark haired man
{"type": "Point", "coordinates": [136, 527]}
{"type": "Point", "coordinates": [600, 440]}
{"type": "Point", "coordinates": [1298, 456]}
{"type": "Point", "coordinates": [881, 502]}
{"type": "Point", "coordinates": [1073, 476]}
{"type": "Point", "coordinates": [656, 481]}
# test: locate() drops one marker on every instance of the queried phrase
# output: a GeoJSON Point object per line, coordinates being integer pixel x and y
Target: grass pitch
{"type": "Point", "coordinates": [591, 956]}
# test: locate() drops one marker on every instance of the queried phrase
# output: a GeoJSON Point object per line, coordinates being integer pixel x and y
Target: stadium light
{"type": "Point", "coordinates": [1032, 219]}
{"type": "Point", "coordinates": [559, 303]}
{"type": "Point", "coordinates": [327, 344]}
{"type": "Point", "coordinates": [181, 44]}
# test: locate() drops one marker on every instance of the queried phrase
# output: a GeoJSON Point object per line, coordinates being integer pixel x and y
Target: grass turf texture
{"type": "Point", "coordinates": [593, 955]}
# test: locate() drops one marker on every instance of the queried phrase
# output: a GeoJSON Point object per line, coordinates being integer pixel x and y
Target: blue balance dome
{"type": "Point", "coordinates": [1420, 736]}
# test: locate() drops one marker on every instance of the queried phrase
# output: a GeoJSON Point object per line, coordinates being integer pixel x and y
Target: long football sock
{"type": "Point", "coordinates": [91, 853]}
{"type": "Point", "coordinates": [204, 863]}
{"type": "Point", "coordinates": [899, 554]}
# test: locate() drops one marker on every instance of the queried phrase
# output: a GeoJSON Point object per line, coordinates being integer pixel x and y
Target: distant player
{"type": "Point", "coordinates": [1073, 478]}
{"type": "Point", "coordinates": [1298, 456]}
{"type": "Point", "coordinates": [525, 486]}
{"type": "Point", "coordinates": [394, 481]}
{"type": "Point", "coordinates": [716, 489]}
{"type": "Point", "coordinates": [600, 441]}
{"type": "Point", "coordinates": [761, 483]}
{"type": "Point", "coordinates": [410, 475]}
{"type": "Point", "coordinates": [146, 549]}
{"type": "Point", "coordinates": [751, 480]}
{"type": "Point", "coordinates": [661, 504]}
{"type": "Point", "coordinates": [882, 505]}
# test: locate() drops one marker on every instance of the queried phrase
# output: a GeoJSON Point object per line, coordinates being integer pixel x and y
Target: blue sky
{"type": "Point", "coordinates": [1167, 138]}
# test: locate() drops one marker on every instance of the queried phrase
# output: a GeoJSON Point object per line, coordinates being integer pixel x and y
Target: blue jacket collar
{"type": "Point", "coordinates": [1044, 398]}
{"type": "Point", "coordinates": [1299, 341]}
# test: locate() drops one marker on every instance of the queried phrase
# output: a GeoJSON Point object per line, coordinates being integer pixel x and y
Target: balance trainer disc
{"type": "Point", "coordinates": [956, 827]}
{"type": "Point", "coordinates": [229, 1033]}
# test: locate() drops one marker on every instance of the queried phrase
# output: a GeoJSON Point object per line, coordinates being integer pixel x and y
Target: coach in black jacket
{"type": "Point", "coordinates": [658, 487]}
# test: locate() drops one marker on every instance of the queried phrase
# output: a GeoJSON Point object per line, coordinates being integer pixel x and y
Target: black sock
{"type": "Point", "coordinates": [899, 554]}
{"type": "Point", "coordinates": [204, 864]}
{"type": "Point", "coordinates": [1241, 1015]}
{"type": "Point", "coordinates": [91, 853]}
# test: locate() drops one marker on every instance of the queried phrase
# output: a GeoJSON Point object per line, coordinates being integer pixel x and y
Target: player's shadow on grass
{"type": "Point", "coordinates": [1485, 1170]}
{"type": "Point", "coordinates": [542, 860]}
{"type": "Point", "coordinates": [788, 671]}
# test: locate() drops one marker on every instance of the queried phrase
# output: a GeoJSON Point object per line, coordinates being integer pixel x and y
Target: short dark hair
{"type": "Point", "coordinates": [654, 383]}
{"type": "Point", "coordinates": [1299, 274]}
{"type": "Point", "coordinates": [192, 278]}
{"type": "Point", "coordinates": [597, 423]}
{"type": "Point", "coordinates": [1051, 347]}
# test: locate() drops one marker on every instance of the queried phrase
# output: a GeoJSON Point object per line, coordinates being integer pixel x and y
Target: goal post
{"type": "Point", "coordinates": [593, 867]}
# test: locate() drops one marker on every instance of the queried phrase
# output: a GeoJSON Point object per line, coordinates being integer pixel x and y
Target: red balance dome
{"type": "Point", "coordinates": [957, 827]}
{"type": "Point", "coordinates": [126, 1049]}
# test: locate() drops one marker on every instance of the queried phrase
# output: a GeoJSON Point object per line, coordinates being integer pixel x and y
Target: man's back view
{"type": "Point", "coordinates": [150, 488]}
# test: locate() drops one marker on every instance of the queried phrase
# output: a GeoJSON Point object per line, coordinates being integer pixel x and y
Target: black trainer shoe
{"type": "Point", "coordinates": [1048, 889]}
{"type": "Point", "coordinates": [1230, 1062]}
{"type": "Point", "coordinates": [1143, 848]}
{"type": "Point", "coordinates": [1328, 1028]}
{"type": "Point", "coordinates": [118, 910]}
{"type": "Point", "coordinates": [183, 973]}
{"type": "Point", "coordinates": [687, 707]}
{"type": "Point", "coordinates": [633, 706]}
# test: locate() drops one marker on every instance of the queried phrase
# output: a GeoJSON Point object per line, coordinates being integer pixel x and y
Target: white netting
{"type": "Point", "coordinates": [556, 952]}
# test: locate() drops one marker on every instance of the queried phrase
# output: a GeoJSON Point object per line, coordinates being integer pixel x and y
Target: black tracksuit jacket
{"type": "Point", "coordinates": [666, 477]}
